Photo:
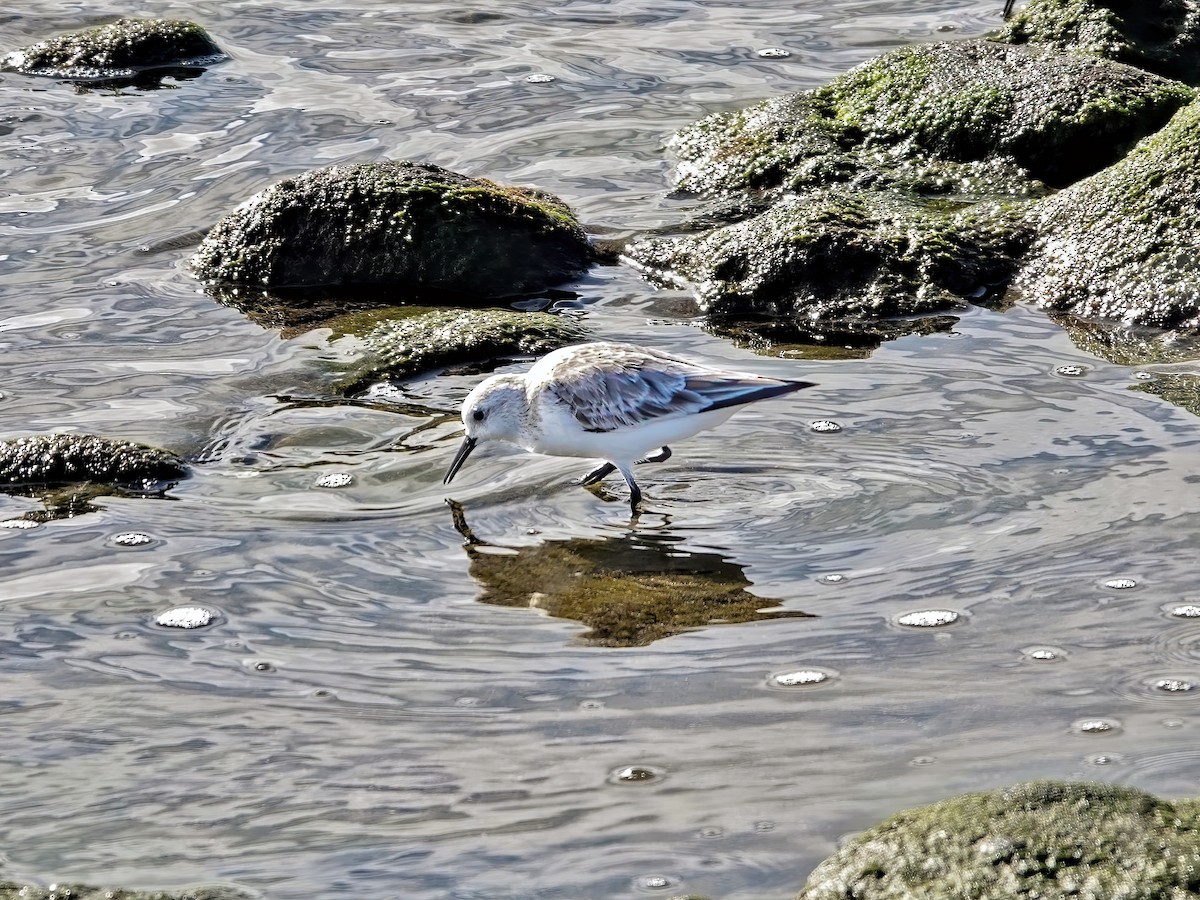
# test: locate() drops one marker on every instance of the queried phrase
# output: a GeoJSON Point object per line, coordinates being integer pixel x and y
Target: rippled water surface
{"type": "Point", "coordinates": [355, 722]}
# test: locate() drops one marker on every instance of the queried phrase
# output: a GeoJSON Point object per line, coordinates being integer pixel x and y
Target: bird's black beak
{"type": "Point", "coordinates": [460, 457]}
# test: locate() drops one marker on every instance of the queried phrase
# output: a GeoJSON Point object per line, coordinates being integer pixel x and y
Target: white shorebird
{"type": "Point", "coordinates": [617, 402]}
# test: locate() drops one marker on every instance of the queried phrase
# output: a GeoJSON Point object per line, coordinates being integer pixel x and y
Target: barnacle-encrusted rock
{"type": "Point", "coordinates": [119, 49]}
{"type": "Point", "coordinates": [1046, 839]}
{"type": "Point", "coordinates": [417, 227]}
{"type": "Point", "coordinates": [11, 890]}
{"type": "Point", "coordinates": [57, 459]}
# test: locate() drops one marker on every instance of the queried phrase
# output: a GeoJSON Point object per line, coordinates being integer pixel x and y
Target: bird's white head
{"type": "Point", "coordinates": [493, 411]}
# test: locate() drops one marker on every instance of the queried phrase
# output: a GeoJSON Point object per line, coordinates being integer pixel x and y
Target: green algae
{"type": "Point", "coordinates": [402, 224]}
{"type": "Point", "coordinates": [1043, 839]}
{"type": "Point", "coordinates": [1178, 388]}
{"type": "Point", "coordinates": [11, 890]}
{"type": "Point", "coordinates": [121, 48]}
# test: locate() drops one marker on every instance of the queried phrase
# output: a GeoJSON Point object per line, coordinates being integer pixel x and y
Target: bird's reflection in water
{"type": "Point", "coordinates": [629, 590]}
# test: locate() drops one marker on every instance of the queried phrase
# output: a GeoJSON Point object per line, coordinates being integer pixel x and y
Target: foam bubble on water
{"type": "Point", "coordinates": [1187, 611]}
{"type": "Point", "coordinates": [334, 480]}
{"type": "Point", "coordinates": [1120, 584]}
{"type": "Point", "coordinates": [928, 618]}
{"type": "Point", "coordinates": [1044, 654]}
{"type": "Point", "coordinates": [774, 53]}
{"type": "Point", "coordinates": [539, 78]}
{"type": "Point", "coordinates": [132, 539]}
{"type": "Point", "coordinates": [185, 617]}
{"type": "Point", "coordinates": [1096, 726]}
{"type": "Point", "coordinates": [635, 775]}
{"type": "Point", "coordinates": [1143, 376]}
{"type": "Point", "coordinates": [1071, 371]}
{"type": "Point", "coordinates": [655, 882]}
{"type": "Point", "coordinates": [832, 578]}
{"type": "Point", "coordinates": [800, 678]}
{"type": "Point", "coordinates": [19, 523]}
{"type": "Point", "coordinates": [1173, 685]}
{"type": "Point", "coordinates": [825, 426]}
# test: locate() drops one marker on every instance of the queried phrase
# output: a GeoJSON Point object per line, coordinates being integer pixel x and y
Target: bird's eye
{"type": "Point", "coordinates": [477, 415]}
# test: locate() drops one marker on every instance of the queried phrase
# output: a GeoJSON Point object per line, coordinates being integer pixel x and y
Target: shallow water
{"type": "Point", "coordinates": [355, 722]}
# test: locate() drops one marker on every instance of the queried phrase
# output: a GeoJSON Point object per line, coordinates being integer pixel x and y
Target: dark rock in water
{"type": "Point", "coordinates": [58, 459]}
{"type": "Point", "coordinates": [1128, 346]}
{"type": "Point", "coordinates": [403, 224]}
{"type": "Point", "coordinates": [1043, 839]}
{"type": "Point", "coordinates": [838, 255]}
{"type": "Point", "coordinates": [10, 890]}
{"type": "Point", "coordinates": [119, 50]}
{"type": "Point", "coordinates": [398, 343]}
{"type": "Point", "coordinates": [1162, 36]}
{"type": "Point", "coordinates": [1125, 243]}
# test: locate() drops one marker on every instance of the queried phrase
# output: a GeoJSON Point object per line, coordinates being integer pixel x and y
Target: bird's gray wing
{"type": "Point", "coordinates": [623, 387]}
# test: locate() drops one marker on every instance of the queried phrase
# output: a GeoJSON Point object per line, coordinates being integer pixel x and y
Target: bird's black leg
{"type": "Point", "coordinates": [635, 492]}
{"type": "Point", "coordinates": [662, 454]}
{"type": "Point", "coordinates": [598, 474]}
{"type": "Point", "coordinates": [1008, 5]}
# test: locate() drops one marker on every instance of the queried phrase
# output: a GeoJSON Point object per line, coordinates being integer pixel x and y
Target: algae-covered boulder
{"type": "Point", "coordinates": [118, 50]}
{"type": "Point", "coordinates": [968, 117]}
{"type": "Point", "coordinates": [1125, 243]}
{"type": "Point", "coordinates": [416, 227]}
{"type": "Point", "coordinates": [397, 343]}
{"type": "Point", "coordinates": [839, 255]}
{"type": "Point", "coordinates": [11, 890]}
{"type": "Point", "coordinates": [58, 459]}
{"type": "Point", "coordinates": [1159, 35]}
{"type": "Point", "coordinates": [1043, 839]}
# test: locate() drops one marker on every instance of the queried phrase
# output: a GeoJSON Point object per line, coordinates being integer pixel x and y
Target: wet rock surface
{"type": "Point", "coordinates": [1159, 35]}
{"type": "Point", "coordinates": [58, 459]}
{"type": "Point", "coordinates": [1125, 243]}
{"type": "Point", "coordinates": [11, 890]}
{"type": "Point", "coordinates": [398, 343]}
{"type": "Point", "coordinates": [120, 49]}
{"type": "Point", "coordinates": [403, 224]}
{"type": "Point", "coordinates": [1041, 839]}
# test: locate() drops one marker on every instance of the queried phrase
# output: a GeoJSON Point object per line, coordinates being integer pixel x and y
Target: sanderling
{"type": "Point", "coordinates": [620, 403]}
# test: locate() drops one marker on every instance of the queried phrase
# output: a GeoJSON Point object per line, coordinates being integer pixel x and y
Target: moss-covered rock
{"type": "Point", "coordinates": [416, 227]}
{"type": "Point", "coordinates": [1159, 35]}
{"type": "Point", "coordinates": [839, 255]}
{"type": "Point", "coordinates": [11, 890]}
{"type": "Point", "coordinates": [398, 342]}
{"type": "Point", "coordinates": [1129, 346]}
{"type": "Point", "coordinates": [972, 117]}
{"type": "Point", "coordinates": [120, 49]}
{"type": "Point", "coordinates": [1180, 389]}
{"type": "Point", "coordinates": [1044, 839]}
{"type": "Point", "coordinates": [1125, 243]}
{"type": "Point", "coordinates": [630, 591]}
{"type": "Point", "coordinates": [58, 459]}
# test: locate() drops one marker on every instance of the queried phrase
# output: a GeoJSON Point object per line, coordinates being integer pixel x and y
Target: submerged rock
{"type": "Point", "coordinates": [1180, 389]}
{"type": "Point", "coordinates": [1042, 839]}
{"type": "Point", "coordinates": [57, 459]}
{"type": "Point", "coordinates": [120, 49]}
{"type": "Point", "coordinates": [1162, 36]}
{"type": "Point", "coordinates": [1125, 243]}
{"type": "Point", "coordinates": [398, 343]}
{"type": "Point", "coordinates": [417, 227]}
